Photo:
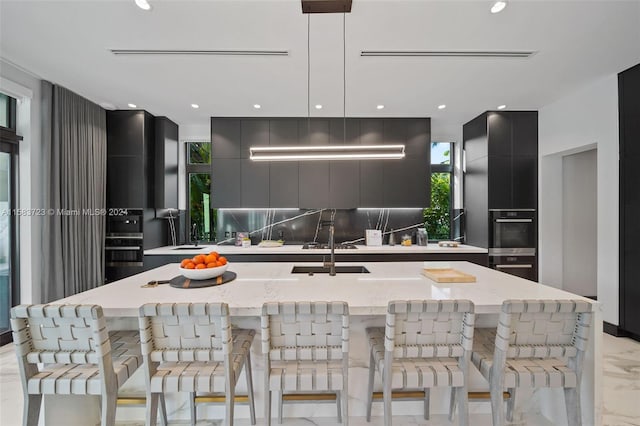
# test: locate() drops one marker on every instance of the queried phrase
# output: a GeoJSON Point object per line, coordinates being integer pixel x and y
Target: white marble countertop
{"type": "Point", "coordinates": [297, 249]}
{"type": "Point", "coordinates": [366, 294]}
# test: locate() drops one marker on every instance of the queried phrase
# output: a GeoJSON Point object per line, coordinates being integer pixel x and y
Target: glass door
{"type": "Point", "coordinates": [8, 286]}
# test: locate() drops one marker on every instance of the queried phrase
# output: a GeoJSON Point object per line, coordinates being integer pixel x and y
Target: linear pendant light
{"type": "Point", "coordinates": [326, 152]}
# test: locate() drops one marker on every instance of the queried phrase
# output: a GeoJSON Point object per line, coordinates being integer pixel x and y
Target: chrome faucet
{"type": "Point", "coordinates": [332, 246]}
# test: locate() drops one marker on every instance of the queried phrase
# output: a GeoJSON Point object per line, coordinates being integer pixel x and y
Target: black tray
{"type": "Point", "coordinates": [183, 282]}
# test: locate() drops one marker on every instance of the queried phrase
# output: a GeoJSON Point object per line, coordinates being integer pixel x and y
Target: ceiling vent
{"type": "Point", "coordinates": [326, 6]}
{"type": "Point", "coordinates": [218, 52]}
{"type": "Point", "coordinates": [453, 53]}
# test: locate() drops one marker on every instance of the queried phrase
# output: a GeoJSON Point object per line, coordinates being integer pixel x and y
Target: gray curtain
{"type": "Point", "coordinates": [75, 156]}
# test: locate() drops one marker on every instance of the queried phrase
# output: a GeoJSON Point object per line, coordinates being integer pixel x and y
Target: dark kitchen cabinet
{"type": "Point", "coordinates": [371, 183]}
{"type": "Point", "coordinates": [321, 184]}
{"type": "Point", "coordinates": [283, 184]}
{"type": "Point", "coordinates": [166, 164]}
{"type": "Point", "coordinates": [253, 132]}
{"type": "Point", "coordinates": [225, 138]}
{"type": "Point", "coordinates": [501, 168]}
{"type": "Point", "coordinates": [629, 196]}
{"type": "Point", "coordinates": [344, 184]}
{"type": "Point", "coordinates": [130, 159]}
{"type": "Point", "coordinates": [509, 139]}
{"type": "Point", "coordinates": [225, 183]}
{"type": "Point", "coordinates": [313, 190]}
{"type": "Point", "coordinates": [254, 183]}
{"type": "Point", "coordinates": [405, 183]}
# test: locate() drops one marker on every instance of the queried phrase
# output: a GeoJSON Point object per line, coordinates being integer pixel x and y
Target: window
{"type": "Point", "coordinates": [438, 217]}
{"type": "Point", "coordinates": [201, 218]}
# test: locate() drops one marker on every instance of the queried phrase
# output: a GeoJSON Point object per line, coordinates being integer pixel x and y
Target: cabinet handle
{"type": "Point", "coordinates": [514, 266]}
{"type": "Point", "coordinates": [514, 220]}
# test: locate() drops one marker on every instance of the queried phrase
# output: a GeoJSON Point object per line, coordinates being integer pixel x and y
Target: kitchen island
{"type": "Point", "coordinates": [367, 295]}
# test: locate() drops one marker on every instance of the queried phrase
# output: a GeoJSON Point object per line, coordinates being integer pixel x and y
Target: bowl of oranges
{"type": "Point", "coordinates": [204, 266]}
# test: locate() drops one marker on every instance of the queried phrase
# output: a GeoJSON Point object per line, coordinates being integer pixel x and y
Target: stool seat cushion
{"type": "Point", "coordinates": [413, 372]}
{"type": "Point", "coordinates": [85, 379]}
{"type": "Point", "coordinates": [306, 376]}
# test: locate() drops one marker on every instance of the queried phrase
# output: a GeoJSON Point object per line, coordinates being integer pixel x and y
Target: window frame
{"type": "Point", "coordinates": [200, 168]}
{"type": "Point", "coordinates": [450, 169]}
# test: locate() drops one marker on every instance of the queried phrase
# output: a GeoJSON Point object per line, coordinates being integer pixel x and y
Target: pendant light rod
{"type": "Point", "coordinates": [309, 75]}
{"type": "Point", "coordinates": [344, 76]}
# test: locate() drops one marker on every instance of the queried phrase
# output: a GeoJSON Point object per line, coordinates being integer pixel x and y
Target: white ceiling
{"type": "Point", "coordinates": [68, 42]}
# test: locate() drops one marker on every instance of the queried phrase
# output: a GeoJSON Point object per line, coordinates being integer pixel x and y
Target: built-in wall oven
{"type": "Point", "coordinates": [513, 242]}
{"type": "Point", "coordinates": [124, 248]}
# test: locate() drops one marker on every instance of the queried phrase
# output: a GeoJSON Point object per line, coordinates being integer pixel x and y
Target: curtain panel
{"type": "Point", "coordinates": [74, 228]}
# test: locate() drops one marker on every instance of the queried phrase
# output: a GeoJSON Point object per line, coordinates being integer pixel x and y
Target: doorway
{"type": "Point", "coordinates": [579, 223]}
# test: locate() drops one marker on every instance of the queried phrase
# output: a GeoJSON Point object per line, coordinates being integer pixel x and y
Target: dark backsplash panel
{"type": "Point", "coordinates": [300, 226]}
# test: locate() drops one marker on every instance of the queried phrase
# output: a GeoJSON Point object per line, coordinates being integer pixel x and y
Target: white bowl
{"type": "Point", "coordinates": [203, 274]}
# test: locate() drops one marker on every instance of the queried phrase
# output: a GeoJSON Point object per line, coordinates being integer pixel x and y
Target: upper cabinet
{"type": "Point", "coordinates": [508, 142]}
{"type": "Point", "coordinates": [130, 158]}
{"type": "Point", "coordinates": [142, 160]}
{"type": "Point", "coordinates": [166, 164]}
{"type": "Point", "coordinates": [319, 184]}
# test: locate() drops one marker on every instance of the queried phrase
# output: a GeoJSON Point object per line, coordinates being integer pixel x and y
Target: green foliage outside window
{"type": "Point", "coordinates": [200, 212]}
{"type": "Point", "coordinates": [437, 217]}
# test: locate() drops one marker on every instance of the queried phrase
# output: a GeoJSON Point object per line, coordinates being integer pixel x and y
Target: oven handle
{"type": "Point", "coordinates": [525, 266]}
{"type": "Point", "coordinates": [123, 248]}
{"type": "Point", "coordinates": [514, 220]}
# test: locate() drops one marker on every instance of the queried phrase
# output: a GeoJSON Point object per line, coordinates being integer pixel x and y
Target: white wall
{"type": "Point", "coordinates": [26, 88]}
{"type": "Point", "coordinates": [574, 123]}
{"type": "Point", "coordinates": [580, 222]}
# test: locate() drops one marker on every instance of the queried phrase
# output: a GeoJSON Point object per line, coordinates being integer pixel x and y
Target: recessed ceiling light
{"type": "Point", "coordinates": [443, 106]}
{"type": "Point", "coordinates": [498, 6]}
{"type": "Point", "coordinates": [257, 106]}
{"type": "Point", "coordinates": [143, 4]}
{"type": "Point", "coordinates": [196, 106]}
{"type": "Point", "coordinates": [380, 106]}
{"type": "Point", "coordinates": [318, 106]}
{"type": "Point", "coordinates": [132, 105]}
{"type": "Point", "coordinates": [502, 106]}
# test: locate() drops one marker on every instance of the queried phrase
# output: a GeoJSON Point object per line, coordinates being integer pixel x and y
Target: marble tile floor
{"type": "Point", "coordinates": [621, 395]}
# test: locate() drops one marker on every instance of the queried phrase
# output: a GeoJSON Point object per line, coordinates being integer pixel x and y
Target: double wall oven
{"type": "Point", "coordinates": [512, 242]}
{"type": "Point", "coordinates": [123, 246]}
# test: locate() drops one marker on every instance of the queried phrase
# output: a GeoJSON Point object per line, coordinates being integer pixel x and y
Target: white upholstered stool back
{"type": "Point", "coordinates": [425, 344]}
{"type": "Point", "coordinates": [306, 349]}
{"type": "Point", "coordinates": [538, 343]}
{"type": "Point", "coordinates": [191, 347]}
{"type": "Point", "coordinates": [73, 343]}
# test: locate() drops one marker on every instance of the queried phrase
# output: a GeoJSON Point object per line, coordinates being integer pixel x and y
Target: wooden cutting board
{"type": "Point", "coordinates": [448, 275]}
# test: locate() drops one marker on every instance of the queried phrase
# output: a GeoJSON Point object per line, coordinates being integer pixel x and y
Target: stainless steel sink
{"type": "Point", "coordinates": [343, 269]}
{"type": "Point", "coordinates": [188, 248]}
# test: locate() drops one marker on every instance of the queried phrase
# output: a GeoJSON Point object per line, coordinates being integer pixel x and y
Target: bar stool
{"type": "Point", "coordinates": [191, 347]}
{"type": "Point", "coordinates": [306, 349]}
{"type": "Point", "coordinates": [425, 344]}
{"type": "Point", "coordinates": [79, 355]}
{"type": "Point", "coordinates": [538, 344]}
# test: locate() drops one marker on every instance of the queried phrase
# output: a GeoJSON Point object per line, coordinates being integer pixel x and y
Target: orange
{"type": "Point", "coordinates": [212, 265]}
{"type": "Point", "coordinates": [210, 258]}
{"type": "Point", "coordinates": [199, 259]}
{"type": "Point", "coordinates": [184, 262]}
{"type": "Point", "coordinates": [190, 265]}
{"type": "Point", "coordinates": [222, 260]}
{"type": "Point", "coordinates": [215, 253]}
{"type": "Point", "coordinates": [201, 266]}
